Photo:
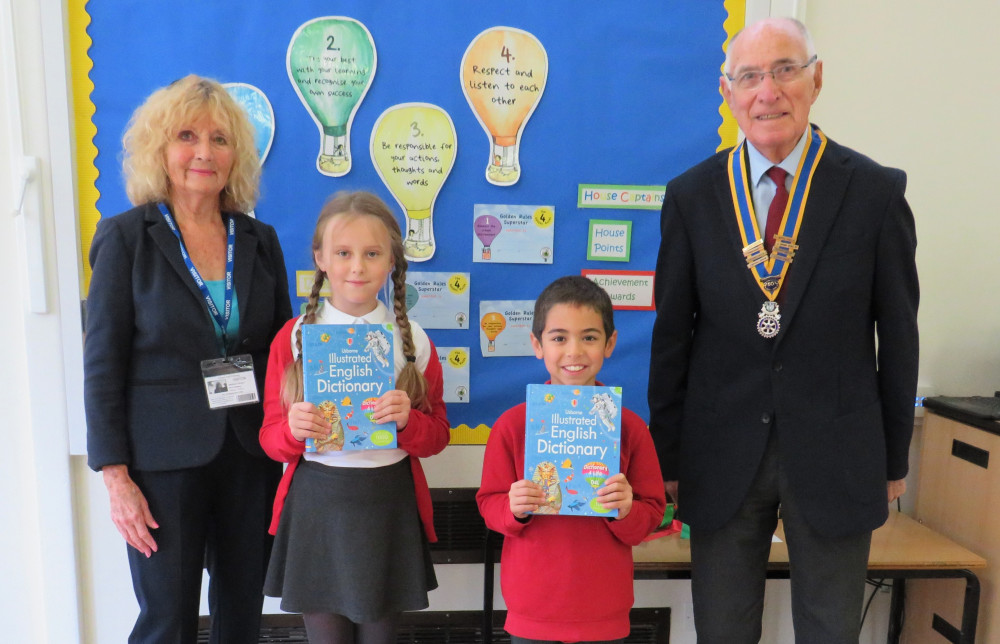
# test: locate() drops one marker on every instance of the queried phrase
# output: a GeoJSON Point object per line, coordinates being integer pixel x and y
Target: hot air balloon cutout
{"type": "Point", "coordinates": [503, 76]}
{"type": "Point", "coordinates": [493, 324]}
{"type": "Point", "coordinates": [576, 430]}
{"type": "Point", "coordinates": [505, 328]}
{"type": "Point", "coordinates": [331, 63]}
{"type": "Point", "coordinates": [513, 234]}
{"type": "Point", "coordinates": [486, 227]}
{"type": "Point", "coordinates": [254, 102]}
{"type": "Point", "coordinates": [260, 113]}
{"type": "Point", "coordinates": [412, 296]}
{"type": "Point", "coordinates": [413, 147]}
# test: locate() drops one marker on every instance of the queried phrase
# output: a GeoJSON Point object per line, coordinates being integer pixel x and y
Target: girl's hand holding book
{"type": "Point", "coordinates": [306, 421]}
{"type": "Point", "coordinates": [393, 405]}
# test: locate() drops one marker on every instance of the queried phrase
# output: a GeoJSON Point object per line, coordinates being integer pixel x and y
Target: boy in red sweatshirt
{"type": "Point", "coordinates": [569, 579]}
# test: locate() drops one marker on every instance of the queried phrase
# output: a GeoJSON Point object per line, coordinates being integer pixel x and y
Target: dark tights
{"type": "Point", "coordinates": [520, 640]}
{"type": "Point", "coordinates": [330, 628]}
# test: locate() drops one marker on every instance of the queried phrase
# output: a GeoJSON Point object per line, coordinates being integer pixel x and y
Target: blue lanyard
{"type": "Point", "coordinates": [222, 318]}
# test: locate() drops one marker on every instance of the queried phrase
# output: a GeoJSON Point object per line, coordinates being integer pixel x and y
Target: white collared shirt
{"type": "Point", "coordinates": [328, 314]}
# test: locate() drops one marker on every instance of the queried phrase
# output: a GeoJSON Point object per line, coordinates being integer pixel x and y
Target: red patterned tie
{"type": "Point", "coordinates": [777, 209]}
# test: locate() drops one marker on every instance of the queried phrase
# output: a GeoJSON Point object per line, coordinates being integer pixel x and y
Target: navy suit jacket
{"type": "Point", "coordinates": [842, 405]}
{"type": "Point", "coordinates": [148, 329]}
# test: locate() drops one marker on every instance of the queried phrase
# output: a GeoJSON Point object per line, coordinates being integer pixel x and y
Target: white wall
{"type": "Point", "coordinates": [37, 546]}
{"type": "Point", "coordinates": [908, 82]}
{"type": "Point", "coordinates": [912, 83]}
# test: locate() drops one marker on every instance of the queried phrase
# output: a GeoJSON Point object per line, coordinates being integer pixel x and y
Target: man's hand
{"type": "Point", "coordinates": [670, 487]}
{"type": "Point", "coordinates": [896, 489]}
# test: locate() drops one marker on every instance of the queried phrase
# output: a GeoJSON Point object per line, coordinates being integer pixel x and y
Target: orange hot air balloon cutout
{"type": "Point", "coordinates": [493, 324]}
{"type": "Point", "coordinates": [503, 76]}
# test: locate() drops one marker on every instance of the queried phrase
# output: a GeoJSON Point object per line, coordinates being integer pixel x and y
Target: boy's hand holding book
{"type": "Point", "coordinates": [525, 497]}
{"type": "Point", "coordinates": [616, 494]}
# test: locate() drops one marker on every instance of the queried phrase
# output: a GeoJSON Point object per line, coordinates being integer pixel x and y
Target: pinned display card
{"type": "Point", "coordinates": [455, 369]}
{"type": "Point", "coordinates": [625, 197]}
{"type": "Point", "coordinates": [629, 290]}
{"type": "Point", "coordinates": [513, 234]}
{"type": "Point", "coordinates": [609, 241]}
{"type": "Point", "coordinates": [505, 328]}
{"type": "Point", "coordinates": [438, 300]}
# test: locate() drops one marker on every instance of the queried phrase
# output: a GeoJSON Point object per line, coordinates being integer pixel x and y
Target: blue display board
{"type": "Point", "coordinates": [631, 99]}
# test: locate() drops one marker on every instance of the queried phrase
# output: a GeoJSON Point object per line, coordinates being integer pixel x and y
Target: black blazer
{"type": "Point", "coordinates": [842, 408]}
{"type": "Point", "coordinates": [148, 329]}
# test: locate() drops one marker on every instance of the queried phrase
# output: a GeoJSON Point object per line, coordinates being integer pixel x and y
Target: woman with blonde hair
{"type": "Point", "coordinates": [186, 294]}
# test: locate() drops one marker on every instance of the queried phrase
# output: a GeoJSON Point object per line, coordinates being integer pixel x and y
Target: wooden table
{"type": "Point", "coordinates": [901, 549]}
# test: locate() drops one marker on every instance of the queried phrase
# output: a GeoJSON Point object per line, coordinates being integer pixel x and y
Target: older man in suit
{"type": "Point", "coordinates": [784, 353]}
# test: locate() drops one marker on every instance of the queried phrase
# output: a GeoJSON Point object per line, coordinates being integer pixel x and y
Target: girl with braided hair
{"type": "Point", "coordinates": [349, 552]}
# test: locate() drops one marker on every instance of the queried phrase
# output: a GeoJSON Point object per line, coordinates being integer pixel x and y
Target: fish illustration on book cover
{"type": "Point", "coordinates": [572, 439]}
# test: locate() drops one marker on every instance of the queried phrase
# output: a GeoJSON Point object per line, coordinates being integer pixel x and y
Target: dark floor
{"type": "Point", "coordinates": [649, 626]}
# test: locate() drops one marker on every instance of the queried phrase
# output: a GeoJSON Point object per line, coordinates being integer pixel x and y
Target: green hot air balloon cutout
{"type": "Point", "coordinates": [412, 295]}
{"type": "Point", "coordinates": [331, 63]}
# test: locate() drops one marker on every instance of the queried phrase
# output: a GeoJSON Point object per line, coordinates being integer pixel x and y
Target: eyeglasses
{"type": "Point", "coordinates": [781, 74]}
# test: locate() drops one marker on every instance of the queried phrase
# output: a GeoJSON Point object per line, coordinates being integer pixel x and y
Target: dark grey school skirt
{"type": "Point", "coordinates": [350, 542]}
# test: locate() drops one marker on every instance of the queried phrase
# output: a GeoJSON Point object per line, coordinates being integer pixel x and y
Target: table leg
{"type": "Point", "coordinates": [488, 568]}
{"type": "Point", "coordinates": [970, 614]}
{"type": "Point", "coordinates": [897, 599]}
{"type": "Point", "coordinates": [970, 608]}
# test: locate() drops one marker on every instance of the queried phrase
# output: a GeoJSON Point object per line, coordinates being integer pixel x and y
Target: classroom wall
{"type": "Point", "coordinates": [908, 82]}
{"type": "Point", "coordinates": [38, 601]}
{"type": "Point", "coordinates": [20, 559]}
{"type": "Point", "coordinates": [911, 83]}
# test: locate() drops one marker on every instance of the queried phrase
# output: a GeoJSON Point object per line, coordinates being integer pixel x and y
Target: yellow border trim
{"type": "Point", "coordinates": [729, 131]}
{"type": "Point", "coordinates": [465, 435]}
{"type": "Point", "coordinates": [84, 129]}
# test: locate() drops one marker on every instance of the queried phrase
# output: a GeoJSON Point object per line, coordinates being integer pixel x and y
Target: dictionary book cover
{"type": "Point", "coordinates": [571, 445]}
{"type": "Point", "coordinates": [345, 369]}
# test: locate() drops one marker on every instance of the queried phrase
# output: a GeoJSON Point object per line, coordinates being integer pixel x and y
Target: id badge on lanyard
{"type": "Point", "coordinates": [229, 381]}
